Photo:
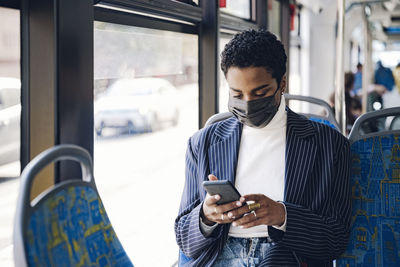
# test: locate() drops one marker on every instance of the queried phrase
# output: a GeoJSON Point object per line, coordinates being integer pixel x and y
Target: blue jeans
{"type": "Point", "coordinates": [243, 252]}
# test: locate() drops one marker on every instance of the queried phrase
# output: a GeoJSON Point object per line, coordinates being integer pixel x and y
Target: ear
{"type": "Point", "coordinates": [282, 85]}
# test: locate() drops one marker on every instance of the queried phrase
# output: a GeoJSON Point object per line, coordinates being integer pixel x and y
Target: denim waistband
{"type": "Point", "coordinates": [252, 239]}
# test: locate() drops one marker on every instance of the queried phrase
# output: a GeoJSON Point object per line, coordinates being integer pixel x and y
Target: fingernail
{"type": "Point", "coordinates": [230, 214]}
{"type": "Point", "coordinates": [238, 203]}
{"type": "Point", "coordinates": [217, 197]}
{"type": "Point", "coordinates": [234, 224]}
{"type": "Point", "coordinates": [241, 227]}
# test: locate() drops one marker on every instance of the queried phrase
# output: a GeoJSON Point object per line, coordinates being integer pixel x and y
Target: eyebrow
{"type": "Point", "coordinates": [252, 90]}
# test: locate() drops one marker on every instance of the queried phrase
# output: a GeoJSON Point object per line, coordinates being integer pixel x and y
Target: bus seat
{"type": "Point", "coordinates": [328, 120]}
{"type": "Point", "coordinates": [66, 225]}
{"type": "Point", "coordinates": [395, 124]}
{"type": "Point", "coordinates": [375, 182]}
{"type": "Point", "coordinates": [218, 117]}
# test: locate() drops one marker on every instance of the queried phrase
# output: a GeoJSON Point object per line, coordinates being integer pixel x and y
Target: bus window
{"type": "Point", "coordinates": [146, 108]}
{"type": "Point", "coordinates": [274, 17]}
{"type": "Point", "coordinates": [223, 90]}
{"type": "Point", "coordinates": [239, 8]}
{"type": "Point", "coordinates": [10, 113]}
{"type": "Point", "coordinates": [10, 88]}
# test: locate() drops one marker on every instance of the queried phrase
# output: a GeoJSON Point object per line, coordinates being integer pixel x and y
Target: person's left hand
{"type": "Point", "coordinates": [270, 212]}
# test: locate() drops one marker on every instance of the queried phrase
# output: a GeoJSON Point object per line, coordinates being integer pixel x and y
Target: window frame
{"type": "Point", "coordinates": [130, 19]}
{"type": "Point", "coordinates": [166, 8]}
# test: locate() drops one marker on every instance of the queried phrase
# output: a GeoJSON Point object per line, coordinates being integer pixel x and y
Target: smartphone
{"type": "Point", "coordinates": [224, 188]}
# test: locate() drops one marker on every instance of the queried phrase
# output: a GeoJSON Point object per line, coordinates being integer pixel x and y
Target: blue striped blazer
{"type": "Point", "coordinates": [316, 194]}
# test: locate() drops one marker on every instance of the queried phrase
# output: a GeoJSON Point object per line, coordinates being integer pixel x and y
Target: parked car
{"type": "Point", "coordinates": [137, 105]}
{"type": "Point", "coordinates": [10, 113]}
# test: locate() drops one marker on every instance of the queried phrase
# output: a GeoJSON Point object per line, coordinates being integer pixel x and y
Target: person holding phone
{"type": "Point", "coordinates": [292, 173]}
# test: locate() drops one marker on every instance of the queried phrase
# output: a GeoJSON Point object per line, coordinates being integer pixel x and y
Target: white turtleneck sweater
{"type": "Point", "coordinates": [260, 168]}
{"type": "Point", "coordinates": [261, 165]}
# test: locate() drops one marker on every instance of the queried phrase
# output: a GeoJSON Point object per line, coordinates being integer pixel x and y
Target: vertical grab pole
{"type": "Point", "coordinates": [340, 105]}
{"type": "Point", "coordinates": [366, 70]}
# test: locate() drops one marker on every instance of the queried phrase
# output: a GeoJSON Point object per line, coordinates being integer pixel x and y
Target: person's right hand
{"type": "Point", "coordinates": [214, 213]}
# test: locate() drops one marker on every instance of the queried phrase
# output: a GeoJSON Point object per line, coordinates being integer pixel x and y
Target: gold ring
{"type": "Point", "coordinates": [254, 206]}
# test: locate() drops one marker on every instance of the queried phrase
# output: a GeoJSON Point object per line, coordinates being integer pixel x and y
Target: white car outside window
{"type": "Point", "coordinates": [10, 113]}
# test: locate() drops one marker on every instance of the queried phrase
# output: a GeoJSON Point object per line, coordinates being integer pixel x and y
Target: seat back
{"type": "Point", "coordinates": [218, 117]}
{"type": "Point", "coordinates": [328, 120]}
{"type": "Point", "coordinates": [395, 123]}
{"type": "Point", "coordinates": [375, 182]}
{"type": "Point", "coordinates": [67, 224]}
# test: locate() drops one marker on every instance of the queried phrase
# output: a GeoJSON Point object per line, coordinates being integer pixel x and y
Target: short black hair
{"type": "Point", "coordinates": [255, 48]}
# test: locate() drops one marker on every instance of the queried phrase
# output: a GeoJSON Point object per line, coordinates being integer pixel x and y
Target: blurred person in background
{"type": "Point", "coordinates": [392, 98]}
{"type": "Point", "coordinates": [396, 76]}
{"type": "Point", "coordinates": [356, 90]}
{"type": "Point", "coordinates": [384, 76]}
{"type": "Point", "coordinates": [353, 104]}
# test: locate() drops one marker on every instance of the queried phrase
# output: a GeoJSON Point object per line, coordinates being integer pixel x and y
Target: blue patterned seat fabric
{"type": "Point", "coordinates": [183, 259]}
{"type": "Point", "coordinates": [71, 228]}
{"type": "Point", "coordinates": [375, 234]}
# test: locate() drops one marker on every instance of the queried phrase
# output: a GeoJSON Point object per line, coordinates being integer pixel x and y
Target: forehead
{"type": "Point", "coordinates": [251, 77]}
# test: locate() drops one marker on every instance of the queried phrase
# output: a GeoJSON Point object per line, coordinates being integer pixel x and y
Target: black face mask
{"type": "Point", "coordinates": [254, 113]}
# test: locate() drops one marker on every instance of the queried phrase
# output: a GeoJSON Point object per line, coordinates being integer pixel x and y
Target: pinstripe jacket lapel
{"type": "Point", "coordinates": [223, 154]}
{"type": "Point", "coordinates": [300, 154]}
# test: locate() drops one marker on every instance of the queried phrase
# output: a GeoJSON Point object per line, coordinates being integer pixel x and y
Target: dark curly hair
{"type": "Point", "coordinates": [255, 48]}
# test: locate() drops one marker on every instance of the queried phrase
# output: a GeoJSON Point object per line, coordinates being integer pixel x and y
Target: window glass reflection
{"type": "Point", "coordinates": [239, 8]}
{"type": "Point", "coordinates": [146, 108]}
{"type": "Point", "coordinates": [190, 2]}
{"type": "Point", "coordinates": [274, 17]}
{"type": "Point", "coordinates": [10, 91]}
{"type": "Point", "coordinates": [10, 112]}
{"type": "Point", "coordinates": [223, 90]}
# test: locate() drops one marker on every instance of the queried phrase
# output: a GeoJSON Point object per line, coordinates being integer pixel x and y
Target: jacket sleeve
{"type": "Point", "coordinates": [318, 236]}
{"type": "Point", "coordinates": [189, 237]}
